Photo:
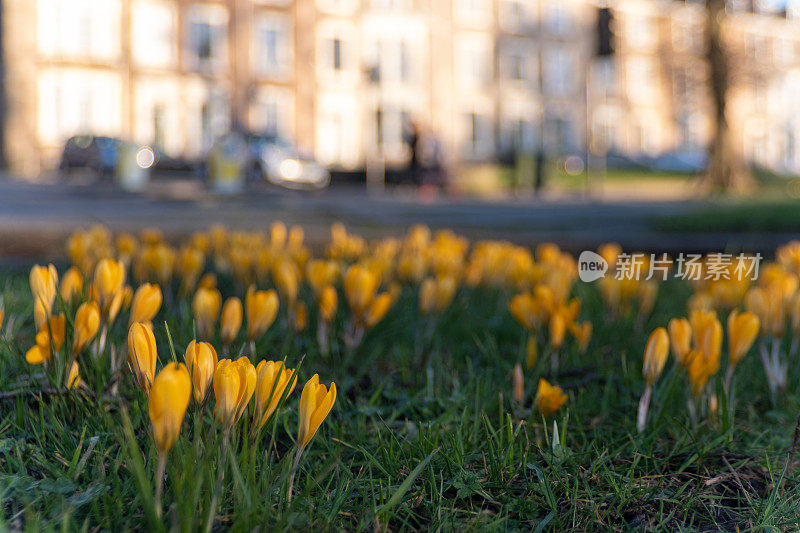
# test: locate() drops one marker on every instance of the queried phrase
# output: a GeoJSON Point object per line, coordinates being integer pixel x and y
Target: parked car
{"type": "Point", "coordinates": [96, 153]}
{"type": "Point", "coordinates": [280, 163]}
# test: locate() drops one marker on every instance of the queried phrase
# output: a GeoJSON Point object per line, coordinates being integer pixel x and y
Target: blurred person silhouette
{"type": "Point", "coordinates": [539, 171]}
{"type": "Point", "coordinates": [413, 138]}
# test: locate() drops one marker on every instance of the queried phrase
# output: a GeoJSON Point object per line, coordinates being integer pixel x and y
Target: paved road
{"type": "Point", "coordinates": [35, 218]}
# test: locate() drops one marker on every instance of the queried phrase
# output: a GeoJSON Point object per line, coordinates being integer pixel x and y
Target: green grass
{"type": "Point", "coordinates": [736, 216]}
{"type": "Point", "coordinates": [442, 447]}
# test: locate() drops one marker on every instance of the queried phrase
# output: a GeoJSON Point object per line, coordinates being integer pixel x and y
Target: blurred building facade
{"type": "Point", "coordinates": [345, 78]}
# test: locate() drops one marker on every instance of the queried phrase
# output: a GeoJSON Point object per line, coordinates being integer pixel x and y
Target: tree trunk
{"type": "Point", "coordinates": [726, 167]}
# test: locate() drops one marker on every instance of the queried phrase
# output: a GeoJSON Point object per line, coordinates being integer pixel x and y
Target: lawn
{"type": "Point", "coordinates": [427, 431]}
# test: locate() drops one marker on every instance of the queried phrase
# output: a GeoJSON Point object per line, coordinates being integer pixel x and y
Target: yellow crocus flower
{"type": "Point", "coordinates": [742, 332]}
{"type": "Point", "coordinates": [655, 355]}
{"type": "Point", "coordinates": [142, 354]}
{"type": "Point", "coordinates": [316, 402]}
{"type": "Point", "coordinates": [360, 285]}
{"type": "Point", "coordinates": [549, 398]}
{"type": "Point", "coordinates": [234, 384]}
{"type": "Point", "coordinates": [321, 273]}
{"type": "Point", "coordinates": [167, 403]}
{"type": "Point", "coordinates": [109, 279]}
{"type": "Point", "coordinates": [680, 336]}
{"type": "Point", "coordinates": [328, 302]}
{"type": "Point", "coordinates": [285, 276]}
{"type": "Point", "coordinates": [526, 310]}
{"type": "Point", "coordinates": [205, 307]}
{"type": "Point", "coordinates": [377, 309]}
{"type": "Point", "coordinates": [43, 281]}
{"type": "Point", "coordinates": [272, 379]}
{"type": "Point", "coordinates": [582, 333]}
{"type": "Point", "coordinates": [262, 309]}
{"type": "Point", "coordinates": [74, 376]}
{"type": "Point", "coordinates": [87, 322]}
{"type": "Point", "coordinates": [49, 340]}
{"type": "Point", "coordinates": [300, 317]}
{"type": "Point", "coordinates": [201, 360]}
{"type": "Point", "coordinates": [231, 321]}
{"type": "Point", "coordinates": [146, 303]}
{"type": "Point", "coordinates": [71, 284]}
{"type": "Point", "coordinates": [558, 327]}
{"type": "Point", "coordinates": [531, 352]}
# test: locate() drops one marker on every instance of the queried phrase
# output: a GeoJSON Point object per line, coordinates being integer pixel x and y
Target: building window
{"type": "Point", "coordinates": [337, 7]}
{"type": "Point", "coordinates": [273, 46]}
{"type": "Point", "coordinates": [153, 34]}
{"type": "Point", "coordinates": [641, 31]}
{"type": "Point", "coordinates": [517, 62]}
{"type": "Point", "coordinates": [335, 58]}
{"type": "Point", "coordinates": [478, 135]}
{"type": "Point", "coordinates": [78, 101]}
{"type": "Point", "coordinates": [642, 79]}
{"type": "Point", "coordinates": [474, 61]}
{"type": "Point", "coordinates": [207, 33]}
{"type": "Point", "coordinates": [559, 71]}
{"type": "Point", "coordinates": [557, 19]}
{"type": "Point", "coordinates": [336, 53]}
{"type": "Point", "coordinates": [79, 29]}
{"type": "Point", "coordinates": [405, 62]}
{"type": "Point", "coordinates": [513, 15]}
{"type": "Point", "coordinates": [473, 13]}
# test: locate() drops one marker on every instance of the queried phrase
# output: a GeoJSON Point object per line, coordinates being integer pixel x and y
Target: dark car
{"type": "Point", "coordinates": [96, 153]}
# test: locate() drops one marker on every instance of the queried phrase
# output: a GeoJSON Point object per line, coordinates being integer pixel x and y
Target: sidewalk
{"type": "Point", "coordinates": [36, 218]}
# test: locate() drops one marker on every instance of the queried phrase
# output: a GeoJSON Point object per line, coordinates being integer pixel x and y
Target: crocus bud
{"type": "Point", "coordinates": [300, 317]}
{"type": "Point", "coordinates": [146, 303]}
{"type": "Point", "coordinates": [234, 384]}
{"type": "Point", "coordinates": [109, 279]}
{"type": "Point", "coordinates": [519, 384]}
{"type": "Point", "coordinates": [525, 309]}
{"type": "Point", "coordinates": [583, 334]}
{"type": "Point", "coordinates": [248, 376]}
{"type": "Point", "coordinates": [142, 354]}
{"type": "Point", "coordinates": [49, 339]}
{"type": "Point", "coordinates": [231, 321]}
{"type": "Point", "coordinates": [191, 264]}
{"type": "Point", "coordinates": [742, 332]}
{"type": "Point", "coordinates": [316, 402]}
{"type": "Point", "coordinates": [321, 273]}
{"type": "Point", "coordinates": [655, 355]}
{"type": "Point", "coordinates": [87, 322]}
{"type": "Point", "coordinates": [286, 280]}
{"type": "Point", "coordinates": [427, 290]}
{"type": "Point", "coordinates": [549, 398]}
{"type": "Point", "coordinates": [278, 235]}
{"type": "Point", "coordinates": [680, 339]}
{"type": "Point", "coordinates": [377, 309]}
{"type": "Point", "coordinates": [262, 309]}
{"type": "Point", "coordinates": [531, 352]}
{"type": "Point", "coordinates": [205, 307]}
{"type": "Point", "coordinates": [43, 282]}
{"type": "Point", "coordinates": [71, 284]}
{"type": "Point", "coordinates": [121, 301]}
{"type": "Point", "coordinates": [167, 403]}
{"type": "Point", "coordinates": [558, 328]}
{"type": "Point", "coordinates": [227, 384]}
{"type": "Point", "coordinates": [74, 376]}
{"type": "Point", "coordinates": [201, 359]}
{"type": "Point", "coordinates": [360, 285]}
{"type": "Point", "coordinates": [272, 379]}
{"type": "Point", "coordinates": [328, 301]}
